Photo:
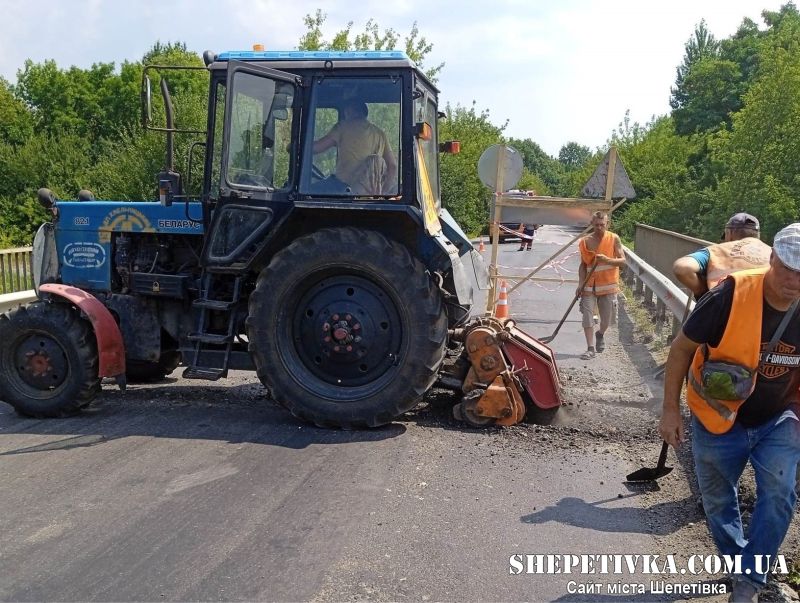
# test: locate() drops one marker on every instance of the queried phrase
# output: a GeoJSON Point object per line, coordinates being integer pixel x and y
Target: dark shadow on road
{"type": "Point", "coordinates": [235, 414]}
{"type": "Point", "coordinates": [661, 519]}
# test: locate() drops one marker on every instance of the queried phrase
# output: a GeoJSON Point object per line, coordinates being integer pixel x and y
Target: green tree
{"type": "Point", "coordinates": [539, 164]}
{"type": "Point", "coordinates": [713, 88]}
{"type": "Point", "coordinates": [760, 154]}
{"type": "Point", "coordinates": [656, 160]}
{"type": "Point", "coordinates": [16, 122]}
{"type": "Point", "coordinates": [372, 38]}
{"type": "Point", "coordinates": [573, 156]}
{"type": "Point", "coordinates": [463, 194]}
{"type": "Point", "coordinates": [701, 45]}
{"type": "Point", "coordinates": [92, 103]}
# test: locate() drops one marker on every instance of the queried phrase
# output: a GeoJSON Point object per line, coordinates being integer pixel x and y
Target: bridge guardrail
{"type": "Point", "coordinates": [11, 300]}
{"type": "Point", "coordinates": [658, 291]}
{"type": "Point", "coordinates": [660, 248]}
{"type": "Point", "coordinates": [16, 269]}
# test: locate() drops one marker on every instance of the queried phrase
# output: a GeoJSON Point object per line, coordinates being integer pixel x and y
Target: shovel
{"type": "Point", "coordinates": [550, 338]}
{"type": "Point", "coordinates": [647, 474]}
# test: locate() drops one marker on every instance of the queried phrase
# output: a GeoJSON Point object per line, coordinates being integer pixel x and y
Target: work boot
{"type": "Point", "coordinates": [600, 342]}
{"type": "Point", "coordinates": [743, 592]}
{"type": "Point", "coordinates": [588, 354]}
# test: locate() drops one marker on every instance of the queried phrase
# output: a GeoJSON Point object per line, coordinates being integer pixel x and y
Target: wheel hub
{"type": "Point", "coordinates": [346, 331]}
{"type": "Point", "coordinates": [41, 362]}
{"type": "Point", "coordinates": [340, 332]}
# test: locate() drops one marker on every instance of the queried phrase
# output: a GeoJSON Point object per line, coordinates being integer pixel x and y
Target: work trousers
{"type": "Point", "coordinates": [773, 448]}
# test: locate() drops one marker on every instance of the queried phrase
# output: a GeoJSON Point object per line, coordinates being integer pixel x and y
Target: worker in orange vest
{"type": "Point", "coordinates": [603, 250]}
{"type": "Point", "coordinates": [741, 249]}
{"type": "Point", "coordinates": [741, 350]}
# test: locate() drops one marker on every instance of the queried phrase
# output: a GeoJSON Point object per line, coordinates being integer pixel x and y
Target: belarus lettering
{"type": "Point", "coordinates": [178, 224]}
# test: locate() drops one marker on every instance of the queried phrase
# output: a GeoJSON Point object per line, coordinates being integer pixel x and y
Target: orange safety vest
{"type": "Point", "coordinates": [605, 278]}
{"type": "Point", "coordinates": [740, 344]}
{"type": "Point", "coordinates": [726, 258]}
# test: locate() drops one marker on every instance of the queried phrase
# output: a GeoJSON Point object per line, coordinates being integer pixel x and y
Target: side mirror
{"type": "Point", "coordinates": [451, 146]}
{"type": "Point", "coordinates": [280, 114]}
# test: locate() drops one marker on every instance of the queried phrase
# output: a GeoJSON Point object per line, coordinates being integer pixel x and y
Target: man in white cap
{"type": "Point", "coordinates": [741, 249]}
{"type": "Point", "coordinates": [741, 349]}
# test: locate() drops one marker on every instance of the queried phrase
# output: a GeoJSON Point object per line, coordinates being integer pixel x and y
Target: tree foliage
{"type": "Point", "coordinates": [463, 194]}
{"type": "Point", "coordinates": [372, 38]}
{"type": "Point", "coordinates": [729, 144]}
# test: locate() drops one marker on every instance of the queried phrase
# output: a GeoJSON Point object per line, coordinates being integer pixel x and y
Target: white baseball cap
{"type": "Point", "coordinates": [787, 246]}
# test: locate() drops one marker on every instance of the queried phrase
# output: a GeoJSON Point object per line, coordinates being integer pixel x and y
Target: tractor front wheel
{"type": "Point", "coordinates": [346, 328]}
{"type": "Point", "coordinates": [48, 361]}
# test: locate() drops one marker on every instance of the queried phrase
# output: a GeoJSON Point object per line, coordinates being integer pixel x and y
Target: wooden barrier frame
{"type": "Point", "coordinates": [501, 200]}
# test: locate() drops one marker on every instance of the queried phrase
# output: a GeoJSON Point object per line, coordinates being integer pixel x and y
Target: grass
{"type": "Point", "coordinates": [656, 335]}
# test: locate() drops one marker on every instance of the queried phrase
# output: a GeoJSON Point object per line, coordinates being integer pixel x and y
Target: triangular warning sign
{"type": "Point", "coordinates": [595, 188]}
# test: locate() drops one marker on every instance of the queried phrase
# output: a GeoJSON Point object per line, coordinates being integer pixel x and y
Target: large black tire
{"type": "Point", "coordinates": [346, 328]}
{"type": "Point", "coordinates": [48, 361]}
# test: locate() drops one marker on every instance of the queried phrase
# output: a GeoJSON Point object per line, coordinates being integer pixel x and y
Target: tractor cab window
{"type": "Point", "coordinates": [354, 142]}
{"type": "Point", "coordinates": [425, 112]}
{"type": "Point", "coordinates": [259, 134]}
{"type": "Point", "coordinates": [216, 142]}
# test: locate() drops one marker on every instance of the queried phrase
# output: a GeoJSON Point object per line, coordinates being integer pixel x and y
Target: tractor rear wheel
{"type": "Point", "coordinates": [48, 361]}
{"type": "Point", "coordinates": [346, 328]}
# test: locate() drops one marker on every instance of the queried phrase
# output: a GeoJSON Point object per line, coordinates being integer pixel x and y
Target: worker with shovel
{"type": "Point", "coordinates": [603, 250]}
{"type": "Point", "coordinates": [741, 350]}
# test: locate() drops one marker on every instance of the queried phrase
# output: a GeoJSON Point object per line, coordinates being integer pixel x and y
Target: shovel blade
{"type": "Point", "coordinates": [647, 474]}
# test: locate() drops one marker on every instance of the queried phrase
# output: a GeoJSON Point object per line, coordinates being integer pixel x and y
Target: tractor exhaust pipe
{"type": "Point", "coordinates": [170, 112]}
{"type": "Point", "coordinates": [169, 181]}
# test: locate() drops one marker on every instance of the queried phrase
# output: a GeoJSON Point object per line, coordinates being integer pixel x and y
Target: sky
{"type": "Point", "coordinates": [554, 71]}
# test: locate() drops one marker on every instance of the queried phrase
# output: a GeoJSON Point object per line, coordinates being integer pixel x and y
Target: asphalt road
{"type": "Point", "coordinates": [182, 491]}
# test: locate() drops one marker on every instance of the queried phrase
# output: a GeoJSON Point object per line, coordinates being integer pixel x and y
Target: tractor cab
{"type": "Point", "coordinates": [333, 127]}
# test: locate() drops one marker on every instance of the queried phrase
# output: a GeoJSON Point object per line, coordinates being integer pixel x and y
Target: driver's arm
{"type": "Point", "coordinates": [324, 143]}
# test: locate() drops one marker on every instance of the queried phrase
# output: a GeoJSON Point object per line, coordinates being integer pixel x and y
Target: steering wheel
{"type": "Point", "coordinates": [253, 180]}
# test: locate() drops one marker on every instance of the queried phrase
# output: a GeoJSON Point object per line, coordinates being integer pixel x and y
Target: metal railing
{"type": "Point", "coordinates": [658, 292]}
{"type": "Point", "coordinates": [648, 272]}
{"type": "Point", "coordinates": [16, 269]}
{"type": "Point", "coordinates": [660, 248]}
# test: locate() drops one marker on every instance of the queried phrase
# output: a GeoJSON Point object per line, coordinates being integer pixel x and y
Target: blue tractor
{"type": "Point", "coordinates": [337, 278]}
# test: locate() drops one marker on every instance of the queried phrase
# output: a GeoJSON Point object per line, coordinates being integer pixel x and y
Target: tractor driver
{"type": "Point", "coordinates": [364, 160]}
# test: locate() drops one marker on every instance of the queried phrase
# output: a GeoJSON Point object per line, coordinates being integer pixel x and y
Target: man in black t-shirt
{"type": "Point", "coordinates": [766, 429]}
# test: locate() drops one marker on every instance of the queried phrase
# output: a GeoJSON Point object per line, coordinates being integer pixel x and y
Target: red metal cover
{"type": "Point", "coordinates": [541, 380]}
{"type": "Point", "coordinates": [110, 346]}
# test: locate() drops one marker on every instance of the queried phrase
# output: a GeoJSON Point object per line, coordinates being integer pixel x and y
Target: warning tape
{"type": "Point", "coordinates": [517, 233]}
{"type": "Point", "coordinates": [556, 266]}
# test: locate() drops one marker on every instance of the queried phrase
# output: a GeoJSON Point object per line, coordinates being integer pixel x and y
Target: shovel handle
{"type": "Point", "coordinates": [662, 459]}
{"type": "Point", "coordinates": [574, 299]}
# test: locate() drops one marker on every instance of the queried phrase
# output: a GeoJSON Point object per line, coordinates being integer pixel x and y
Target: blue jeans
{"type": "Point", "coordinates": [773, 448]}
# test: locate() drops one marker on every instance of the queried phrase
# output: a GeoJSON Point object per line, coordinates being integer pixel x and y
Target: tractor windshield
{"type": "Point", "coordinates": [354, 142]}
{"type": "Point", "coordinates": [260, 132]}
